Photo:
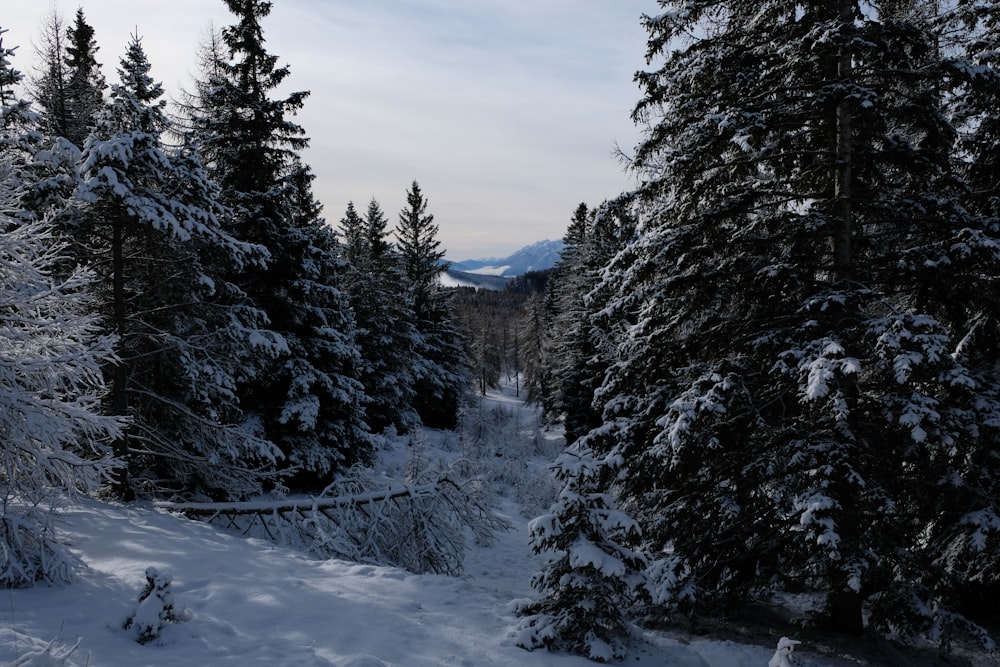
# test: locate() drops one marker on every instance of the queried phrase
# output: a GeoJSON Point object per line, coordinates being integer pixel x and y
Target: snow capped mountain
{"type": "Point", "coordinates": [452, 278]}
{"type": "Point", "coordinates": [536, 257]}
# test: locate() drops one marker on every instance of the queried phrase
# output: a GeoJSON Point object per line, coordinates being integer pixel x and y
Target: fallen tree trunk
{"type": "Point", "coordinates": [419, 528]}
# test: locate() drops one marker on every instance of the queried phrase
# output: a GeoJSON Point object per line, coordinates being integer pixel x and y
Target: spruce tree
{"type": "Point", "coordinates": [373, 281]}
{"type": "Point", "coordinates": [15, 113]}
{"type": "Point", "coordinates": [85, 84]}
{"type": "Point", "coordinates": [577, 350]}
{"type": "Point", "coordinates": [569, 344]}
{"type": "Point", "coordinates": [439, 370]}
{"type": "Point", "coordinates": [186, 338]}
{"type": "Point", "coordinates": [56, 441]}
{"type": "Point", "coordinates": [791, 393]}
{"type": "Point", "coordinates": [311, 404]}
{"type": "Point", "coordinates": [591, 578]}
{"type": "Point", "coordinates": [69, 89]}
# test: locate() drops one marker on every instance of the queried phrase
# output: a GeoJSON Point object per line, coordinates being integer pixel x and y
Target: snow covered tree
{"type": "Point", "coordinates": [373, 281]}
{"type": "Point", "coordinates": [155, 609]}
{"type": "Point", "coordinates": [793, 394]}
{"type": "Point", "coordinates": [187, 338]}
{"type": "Point", "coordinates": [591, 578]}
{"type": "Point", "coordinates": [577, 350]}
{"type": "Point", "coordinates": [310, 400]}
{"type": "Point", "coordinates": [439, 368]}
{"type": "Point", "coordinates": [56, 442]}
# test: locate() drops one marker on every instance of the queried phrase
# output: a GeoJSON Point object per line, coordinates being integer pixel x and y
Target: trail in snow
{"type": "Point", "coordinates": [253, 603]}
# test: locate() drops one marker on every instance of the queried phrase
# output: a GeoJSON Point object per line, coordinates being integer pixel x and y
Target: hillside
{"type": "Point", "coordinates": [535, 257]}
{"type": "Point", "coordinates": [249, 603]}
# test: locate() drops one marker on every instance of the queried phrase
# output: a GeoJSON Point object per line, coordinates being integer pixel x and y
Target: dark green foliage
{"type": "Point", "coordinates": [373, 281]}
{"type": "Point", "coordinates": [148, 221]}
{"type": "Point", "coordinates": [439, 370]}
{"type": "Point", "coordinates": [591, 578]}
{"type": "Point", "coordinates": [793, 385]}
{"type": "Point", "coordinates": [69, 90]}
{"type": "Point", "coordinates": [793, 356]}
{"type": "Point", "coordinates": [577, 350]}
{"type": "Point", "coordinates": [311, 403]}
{"type": "Point", "coordinates": [85, 85]}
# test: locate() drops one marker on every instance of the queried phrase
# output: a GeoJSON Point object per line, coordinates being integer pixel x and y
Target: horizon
{"type": "Point", "coordinates": [508, 114]}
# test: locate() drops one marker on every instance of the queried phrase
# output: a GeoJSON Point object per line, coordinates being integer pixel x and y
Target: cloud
{"type": "Point", "coordinates": [506, 111]}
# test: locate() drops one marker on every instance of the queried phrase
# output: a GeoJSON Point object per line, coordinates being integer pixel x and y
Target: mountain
{"type": "Point", "coordinates": [535, 257]}
{"type": "Point", "coordinates": [453, 278]}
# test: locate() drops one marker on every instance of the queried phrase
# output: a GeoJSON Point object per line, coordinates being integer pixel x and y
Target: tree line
{"type": "Point", "coordinates": [177, 318]}
{"type": "Point", "coordinates": [776, 358]}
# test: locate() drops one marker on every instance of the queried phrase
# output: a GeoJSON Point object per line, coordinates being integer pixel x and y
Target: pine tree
{"type": "Point", "coordinates": [373, 281]}
{"type": "Point", "coordinates": [578, 352]}
{"type": "Point", "coordinates": [786, 394]}
{"type": "Point", "coordinates": [591, 578]}
{"type": "Point", "coordinates": [49, 87]}
{"type": "Point", "coordinates": [15, 113]}
{"type": "Point", "coordinates": [68, 91]}
{"type": "Point", "coordinates": [51, 385]}
{"type": "Point", "coordinates": [569, 344]}
{"type": "Point", "coordinates": [439, 370]}
{"type": "Point", "coordinates": [85, 84]}
{"type": "Point", "coordinates": [187, 339]}
{"type": "Point", "coordinates": [311, 404]}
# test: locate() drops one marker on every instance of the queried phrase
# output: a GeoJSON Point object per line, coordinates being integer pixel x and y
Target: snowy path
{"type": "Point", "coordinates": [252, 604]}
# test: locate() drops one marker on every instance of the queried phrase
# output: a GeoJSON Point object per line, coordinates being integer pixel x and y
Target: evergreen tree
{"type": "Point", "coordinates": [15, 113]}
{"type": "Point", "coordinates": [186, 337]}
{"type": "Point", "coordinates": [563, 306]}
{"type": "Point", "coordinates": [578, 351]}
{"type": "Point", "coordinates": [56, 441]}
{"type": "Point", "coordinates": [439, 371]}
{"type": "Point", "coordinates": [592, 577]}
{"type": "Point", "coordinates": [49, 86]}
{"type": "Point", "coordinates": [387, 336]}
{"type": "Point", "coordinates": [69, 89]}
{"type": "Point", "coordinates": [311, 403]}
{"type": "Point", "coordinates": [532, 332]}
{"type": "Point", "coordinates": [791, 395]}
{"type": "Point", "coordinates": [85, 84]}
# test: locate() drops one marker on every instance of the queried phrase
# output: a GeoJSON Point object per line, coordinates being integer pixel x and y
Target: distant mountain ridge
{"type": "Point", "coordinates": [535, 257]}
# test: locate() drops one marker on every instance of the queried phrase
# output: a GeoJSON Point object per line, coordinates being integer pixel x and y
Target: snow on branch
{"type": "Point", "coordinates": [420, 528]}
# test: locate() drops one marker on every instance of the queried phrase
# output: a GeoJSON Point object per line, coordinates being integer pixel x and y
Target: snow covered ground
{"type": "Point", "coordinates": [248, 602]}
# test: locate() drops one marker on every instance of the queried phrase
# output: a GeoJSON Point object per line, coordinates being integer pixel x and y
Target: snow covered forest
{"type": "Point", "coordinates": [773, 363]}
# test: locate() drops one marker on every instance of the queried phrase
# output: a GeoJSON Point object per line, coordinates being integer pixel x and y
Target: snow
{"type": "Point", "coordinates": [243, 602]}
{"type": "Point", "coordinates": [490, 270]}
{"type": "Point", "coordinates": [583, 552]}
{"type": "Point", "coordinates": [783, 654]}
{"type": "Point", "coordinates": [449, 280]}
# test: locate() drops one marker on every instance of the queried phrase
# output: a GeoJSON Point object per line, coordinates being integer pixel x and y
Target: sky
{"type": "Point", "coordinates": [508, 113]}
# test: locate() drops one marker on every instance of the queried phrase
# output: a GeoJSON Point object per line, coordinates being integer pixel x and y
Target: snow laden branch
{"type": "Point", "coordinates": [52, 351]}
{"type": "Point", "coordinates": [421, 528]}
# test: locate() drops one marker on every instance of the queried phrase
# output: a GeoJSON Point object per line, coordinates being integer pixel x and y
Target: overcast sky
{"type": "Point", "coordinates": [507, 112]}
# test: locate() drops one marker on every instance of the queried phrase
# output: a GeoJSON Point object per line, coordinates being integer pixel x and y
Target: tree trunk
{"type": "Point", "coordinates": [119, 382]}
{"type": "Point", "coordinates": [845, 613]}
{"type": "Point", "coordinates": [842, 223]}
